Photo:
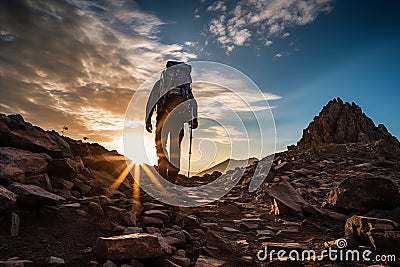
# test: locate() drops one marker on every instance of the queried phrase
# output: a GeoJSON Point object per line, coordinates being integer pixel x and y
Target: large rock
{"type": "Point", "coordinates": [341, 123]}
{"type": "Point", "coordinates": [104, 180]}
{"type": "Point", "coordinates": [363, 194]}
{"type": "Point", "coordinates": [16, 164]}
{"type": "Point", "coordinates": [137, 246]}
{"type": "Point", "coordinates": [15, 132]}
{"type": "Point", "coordinates": [32, 195]}
{"type": "Point", "coordinates": [110, 162]}
{"type": "Point", "coordinates": [83, 149]}
{"type": "Point", "coordinates": [203, 261]}
{"type": "Point", "coordinates": [393, 215]}
{"type": "Point", "coordinates": [382, 234]}
{"type": "Point", "coordinates": [64, 167]}
{"type": "Point", "coordinates": [287, 201]}
{"type": "Point", "coordinates": [8, 199]}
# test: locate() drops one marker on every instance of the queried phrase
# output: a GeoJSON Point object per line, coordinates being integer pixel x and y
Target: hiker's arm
{"type": "Point", "coordinates": [149, 127]}
{"type": "Point", "coordinates": [151, 104]}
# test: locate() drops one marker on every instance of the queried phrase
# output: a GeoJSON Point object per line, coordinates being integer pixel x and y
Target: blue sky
{"type": "Point", "coordinates": [78, 63]}
{"type": "Point", "coordinates": [349, 52]}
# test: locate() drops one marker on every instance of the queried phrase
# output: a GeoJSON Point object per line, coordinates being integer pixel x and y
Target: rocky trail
{"type": "Point", "coordinates": [60, 204]}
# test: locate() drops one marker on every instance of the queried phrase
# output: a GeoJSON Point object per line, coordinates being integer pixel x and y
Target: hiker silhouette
{"type": "Point", "coordinates": [173, 100]}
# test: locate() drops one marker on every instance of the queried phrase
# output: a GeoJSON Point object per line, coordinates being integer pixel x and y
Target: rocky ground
{"type": "Point", "coordinates": [60, 205]}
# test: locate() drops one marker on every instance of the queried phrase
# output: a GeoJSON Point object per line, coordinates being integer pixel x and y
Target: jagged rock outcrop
{"type": "Point", "coordinates": [17, 164]}
{"type": "Point", "coordinates": [382, 234]}
{"type": "Point", "coordinates": [341, 123]}
{"type": "Point", "coordinates": [15, 132]}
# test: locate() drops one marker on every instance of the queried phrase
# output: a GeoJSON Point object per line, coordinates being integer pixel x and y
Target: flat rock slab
{"type": "Point", "coordinates": [230, 229]}
{"type": "Point", "coordinates": [157, 213]}
{"type": "Point", "coordinates": [132, 246]}
{"type": "Point", "coordinates": [32, 195]}
{"type": "Point", "coordinates": [15, 164]}
{"type": "Point", "coordinates": [264, 233]}
{"type": "Point", "coordinates": [8, 199]}
{"type": "Point", "coordinates": [203, 261]}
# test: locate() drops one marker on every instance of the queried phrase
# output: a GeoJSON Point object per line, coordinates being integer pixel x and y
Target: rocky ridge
{"type": "Point", "coordinates": [59, 205]}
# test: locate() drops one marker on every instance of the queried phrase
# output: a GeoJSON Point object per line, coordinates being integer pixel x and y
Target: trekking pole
{"type": "Point", "coordinates": [190, 145]}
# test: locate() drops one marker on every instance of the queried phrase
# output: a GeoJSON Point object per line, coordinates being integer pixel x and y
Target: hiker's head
{"type": "Point", "coordinates": [171, 63]}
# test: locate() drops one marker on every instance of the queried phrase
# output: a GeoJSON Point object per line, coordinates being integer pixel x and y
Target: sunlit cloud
{"type": "Point", "coordinates": [78, 63]}
{"type": "Point", "coordinates": [236, 24]}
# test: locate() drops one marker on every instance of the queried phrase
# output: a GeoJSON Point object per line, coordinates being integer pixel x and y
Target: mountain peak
{"type": "Point", "coordinates": [341, 123]}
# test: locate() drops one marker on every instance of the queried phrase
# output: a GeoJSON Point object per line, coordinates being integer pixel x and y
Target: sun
{"type": "Point", "coordinates": [138, 148]}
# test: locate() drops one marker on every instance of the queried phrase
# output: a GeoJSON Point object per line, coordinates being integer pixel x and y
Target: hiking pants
{"type": "Point", "coordinates": [169, 128]}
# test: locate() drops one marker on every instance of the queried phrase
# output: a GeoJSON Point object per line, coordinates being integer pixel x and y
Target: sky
{"type": "Point", "coordinates": [78, 63]}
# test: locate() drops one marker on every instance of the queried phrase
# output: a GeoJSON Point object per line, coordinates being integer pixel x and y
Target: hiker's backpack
{"type": "Point", "coordinates": [176, 80]}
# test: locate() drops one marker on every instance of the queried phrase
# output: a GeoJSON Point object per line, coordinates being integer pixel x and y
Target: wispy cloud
{"type": "Point", "coordinates": [77, 63]}
{"type": "Point", "coordinates": [239, 23]}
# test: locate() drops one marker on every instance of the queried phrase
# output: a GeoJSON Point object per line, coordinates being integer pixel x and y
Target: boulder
{"type": "Point", "coordinates": [95, 209]}
{"type": "Point", "coordinates": [32, 195]}
{"type": "Point", "coordinates": [79, 148]}
{"type": "Point", "coordinates": [60, 183]}
{"type": "Point", "coordinates": [64, 167]}
{"type": "Point", "coordinates": [16, 164]}
{"type": "Point", "coordinates": [40, 179]}
{"type": "Point", "coordinates": [157, 213]}
{"type": "Point", "coordinates": [15, 132]}
{"type": "Point", "coordinates": [363, 194]}
{"type": "Point", "coordinates": [8, 199]}
{"type": "Point", "coordinates": [114, 212]}
{"type": "Point", "coordinates": [137, 246]}
{"type": "Point", "coordinates": [393, 215]}
{"type": "Point", "coordinates": [287, 201]}
{"type": "Point", "coordinates": [203, 261]}
{"type": "Point", "coordinates": [382, 234]}
{"type": "Point", "coordinates": [81, 186]}
{"type": "Point", "coordinates": [56, 261]}
{"type": "Point", "coordinates": [154, 221]}
{"type": "Point", "coordinates": [110, 162]}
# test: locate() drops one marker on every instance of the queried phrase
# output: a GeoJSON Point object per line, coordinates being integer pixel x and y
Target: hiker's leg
{"type": "Point", "coordinates": [174, 167]}
{"type": "Point", "coordinates": [176, 139]}
{"type": "Point", "coordinates": [181, 134]}
{"type": "Point", "coordinates": [163, 167]}
{"type": "Point", "coordinates": [173, 125]}
{"type": "Point", "coordinates": [161, 144]}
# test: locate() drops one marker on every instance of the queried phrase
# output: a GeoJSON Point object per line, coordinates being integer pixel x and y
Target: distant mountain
{"type": "Point", "coordinates": [222, 166]}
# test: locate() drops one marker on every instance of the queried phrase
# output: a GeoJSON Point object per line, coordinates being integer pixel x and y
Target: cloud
{"type": "Point", "coordinates": [278, 55]}
{"type": "Point", "coordinates": [217, 6]}
{"type": "Point", "coordinates": [252, 18]}
{"type": "Point", "coordinates": [191, 44]}
{"type": "Point", "coordinates": [77, 63]}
